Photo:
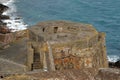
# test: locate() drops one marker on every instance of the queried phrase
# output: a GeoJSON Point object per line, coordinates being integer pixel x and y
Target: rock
{"type": "Point", "coordinates": [2, 24]}
{"type": "Point", "coordinates": [3, 27]}
{"type": "Point", "coordinates": [19, 77]}
{"type": "Point", "coordinates": [3, 8]}
{"type": "Point", "coordinates": [82, 74]}
{"type": "Point", "coordinates": [108, 74]}
{"type": "Point", "coordinates": [2, 17]}
{"type": "Point", "coordinates": [111, 64]}
{"type": "Point", "coordinates": [57, 75]}
{"type": "Point", "coordinates": [114, 64]}
{"type": "Point", "coordinates": [6, 39]}
{"type": "Point", "coordinates": [4, 30]}
{"type": "Point", "coordinates": [6, 46]}
{"type": "Point", "coordinates": [117, 64]}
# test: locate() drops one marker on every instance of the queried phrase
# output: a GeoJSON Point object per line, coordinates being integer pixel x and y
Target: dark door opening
{"type": "Point", "coordinates": [36, 57]}
{"type": "Point", "coordinates": [36, 62]}
{"type": "Point", "coordinates": [55, 29]}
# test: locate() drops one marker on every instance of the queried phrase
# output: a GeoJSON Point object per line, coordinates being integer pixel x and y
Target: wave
{"type": "Point", "coordinates": [15, 23]}
{"type": "Point", "coordinates": [113, 58]}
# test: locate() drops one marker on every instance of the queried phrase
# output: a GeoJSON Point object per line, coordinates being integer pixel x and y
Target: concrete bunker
{"type": "Point", "coordinates": [68, 45]}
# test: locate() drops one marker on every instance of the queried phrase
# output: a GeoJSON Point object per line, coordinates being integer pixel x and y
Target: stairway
{"type": "Point", "coordinates": [36, 64]}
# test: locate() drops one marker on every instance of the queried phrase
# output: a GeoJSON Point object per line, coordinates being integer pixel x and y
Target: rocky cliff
{"type": "Point", "coordinates": [3, 27]}
{"type": "Point", "coordinates": [4, 37]}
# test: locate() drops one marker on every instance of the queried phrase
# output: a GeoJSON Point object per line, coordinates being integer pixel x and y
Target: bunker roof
{"type": "Point", "coordinates": [63, 30]}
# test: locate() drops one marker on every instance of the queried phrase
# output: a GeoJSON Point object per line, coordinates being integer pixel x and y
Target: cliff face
{"type": "Point", "coordinates": [64, 45]}
{"type": "Point", "coordinates": [3, 27]}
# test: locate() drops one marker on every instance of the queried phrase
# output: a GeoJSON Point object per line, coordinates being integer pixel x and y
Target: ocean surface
{"type": "Point", "coordinates": [104, 15]}
{"type": "Point", "coordinates": [15, 23]}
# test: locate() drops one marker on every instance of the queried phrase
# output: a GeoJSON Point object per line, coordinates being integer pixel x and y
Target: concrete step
{"type": "Point", "coordinates": [36, 65]}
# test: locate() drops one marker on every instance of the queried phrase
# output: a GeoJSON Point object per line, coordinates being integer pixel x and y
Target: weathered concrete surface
{"type": "Point", "coordinates": [9, 67]}
{"type": "Point", "coordinates": [14, 57]}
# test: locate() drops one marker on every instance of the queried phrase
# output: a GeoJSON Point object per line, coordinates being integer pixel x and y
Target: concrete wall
{"type": "Point", "coordinates": [90, 53]}
{"type": "Point", "coordinates": [72, 47]}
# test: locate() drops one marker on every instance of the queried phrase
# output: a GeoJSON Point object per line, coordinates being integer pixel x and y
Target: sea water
{"type": "Point", "coordinates": [15, 23]}
{"type": "Point", "coordinates": [103, 14]}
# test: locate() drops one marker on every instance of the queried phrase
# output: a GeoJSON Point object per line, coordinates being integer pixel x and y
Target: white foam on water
{"type": "Point", "coordinates": [113, 58]}
{"type": "Point", "coordinates": [15, 23]}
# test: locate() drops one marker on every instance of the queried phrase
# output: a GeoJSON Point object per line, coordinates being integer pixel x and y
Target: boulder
{"type": "Point", "coordinates": [4, 17]}
{"type": "Point", "coordinates": [117, 64]}
{"type": "Point", "coordinates": [3, 8]}
{"type": "Point", "coordinates": [3, 27]}
{"type": "Point", "coordinates": [111, 64]}
{"type": "Point", "coordinates": [114, 64]}
{"type": "Point", "coordinates": [4, 30]}
{"type": "Point", "coordinates": [108, 74]}
{"type": "Point", "coordinates": [2, 24]}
